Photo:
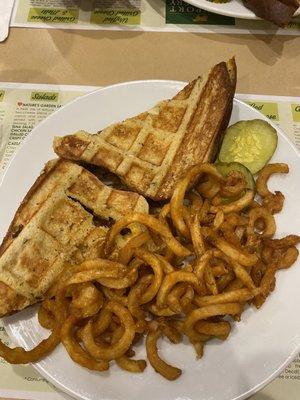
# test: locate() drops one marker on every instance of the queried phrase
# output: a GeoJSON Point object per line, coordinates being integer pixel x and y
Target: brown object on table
{"type": "Point", "coordinates": [152, 151]}
{"type": "Point", "coordinates": [278, 11]}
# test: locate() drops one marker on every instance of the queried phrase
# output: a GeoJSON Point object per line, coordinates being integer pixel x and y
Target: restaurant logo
{"type": "Point", "coordinates": [2, 93]}
{"type": "Point", "coordinates": [296, 112]}
{"type": "Point", "coordinates": [44, 96]}
{"type": "Point", "coordinates": [270, 110]}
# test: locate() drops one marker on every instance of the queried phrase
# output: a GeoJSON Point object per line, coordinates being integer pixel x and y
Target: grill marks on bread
{"type": "Point", "coordinates": [56, 224]}
{"type": "Point", "coordinates": [152, 151]}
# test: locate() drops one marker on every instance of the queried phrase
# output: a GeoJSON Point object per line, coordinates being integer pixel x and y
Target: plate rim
{"type": "Point", "coordinates": [216, 9]}
{"type": "Point", "coordinates": [40, 368]}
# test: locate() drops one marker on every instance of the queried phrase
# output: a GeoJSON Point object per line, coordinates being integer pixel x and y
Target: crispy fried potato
{"type": "Point", "coordinates": [152, 223]}
{"type": "Point", "coordinates": [167, 371]}
{"type": "Point", "coordinates": [197, 260]}
{"type": "Point", "coordinates": [75, 351]}
{"type": "Point", "coordinates": [117, 349]}
{"type": "Point", "coordinates": [264, 175]}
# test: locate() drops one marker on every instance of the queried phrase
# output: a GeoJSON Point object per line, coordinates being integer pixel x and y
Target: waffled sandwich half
{"type": "Point", "coordinates": [62, 219]}
{"type": "Point", "coordinates": [152, 151]}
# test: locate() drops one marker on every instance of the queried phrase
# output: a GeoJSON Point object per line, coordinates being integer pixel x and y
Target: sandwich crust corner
{"type": "Point", "coordinates": [153, 150]}
{"type": "Point", "coordinates": [62, 220]}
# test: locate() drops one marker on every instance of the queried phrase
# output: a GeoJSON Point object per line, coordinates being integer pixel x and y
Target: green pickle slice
{"type": "Point", "coordinates": [225, 168]}
{"type": "Point", "coordinates": [250, 143]}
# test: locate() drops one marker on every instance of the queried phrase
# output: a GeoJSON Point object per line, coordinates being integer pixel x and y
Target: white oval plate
{"type": "Point", "coordinates": [234, 8]}
{"type": "Point", "coordinates": [258, 348]}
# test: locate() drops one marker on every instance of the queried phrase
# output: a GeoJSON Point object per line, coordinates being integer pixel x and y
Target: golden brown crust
{"type": "Point", "coordinates": [151, 153]}
{"type": "Point", "coordinates": [73, 147]}
{"type": "Point", "coordinates": [10, 300]}
{"type": "Point", "coordinates": [16, 226]}
{"type": "Point", "coordinates": [58, 221]}
{"type": "Point", "coordinates": [212, 107]}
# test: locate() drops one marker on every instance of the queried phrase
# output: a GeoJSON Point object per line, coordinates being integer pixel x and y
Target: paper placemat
{"type": "Point", "coordinates": [141, 15]}
{"type": "Point", "coordinates": [22, 106]}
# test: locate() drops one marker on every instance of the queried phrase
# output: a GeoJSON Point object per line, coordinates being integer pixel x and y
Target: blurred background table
{"type": "Point", "coordinates": [267, 64]}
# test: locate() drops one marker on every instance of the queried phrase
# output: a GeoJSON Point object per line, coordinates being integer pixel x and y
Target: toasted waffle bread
{"type": "Point", "coordinates": [278, 11]}
{"type": "Point", "coordinates": [152, 151]}
{"type": "Point", "coordinates": [62, 219]}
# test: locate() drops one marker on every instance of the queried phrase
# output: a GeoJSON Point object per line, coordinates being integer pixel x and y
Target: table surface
{"type": "Point", "coordinates": [266, 64]}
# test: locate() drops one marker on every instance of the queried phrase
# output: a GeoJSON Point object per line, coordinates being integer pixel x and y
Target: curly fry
{"type": "Point", "coordinates": [170, 281]}
{"type": "Point", "coordinates": [209, 189]}
{"type": "Point", "coordinates": [135, 296]}
{"type": "Point", "coordinates": [169, 330]}
{"type": "Point", "coordinates": [179, 297]}
{"type": "Point", "coordinates": [121, 346]}
{"type": "Point", "coordinates": [218, 220]}
{"type": "Point", "coordinates": [203, 214]}
{"type": "Point", "coordinates": [18, 355]}
{"type": "Point", "coordinates": [156, 264]}
{"type": "Point", "coordinates": [126, 252]}
{"type": "Point", "coordinates": [211, 311]}
{"type": "Point", "coordinates": [124, 362]}
{"type": "Point", "coordinates": [287, 241]}
{"type": "Point", "coordinates": [219, 269]}
{"type": "Point", "coordinates": [240, 295]}
{"type": "Point", "coordinates": [288, 258]}
{"type": "Point", "coordinates": [196, 201]}
{"type": "Point", "coordinates": [234, 185]}
{"type": "Point", "coordinates": [179, 193]}
{"type": "Point", "coordinates": [121, 283]}
{"type": "Point", "coordinates": [196, 235]}
{"type": "Point", "coordinates": [243, 275]}
{"type": "Point", "coordinates": [219, 329]}
{"type": "Point", "coordinates": [235, 206]}
{"type": "Point", "coordinates": [135, 366]}
{"type": "Point", "coordinates": [75, 351]}
{"type": "Point", "coordinates": [268, 280]}
{"type": "Point", "coordinates": [164, 212]}
{"type": "Point", "coordinates": [273, 202]}
{"type": "Point", "coordinates": [160, 366]}
{"type": "Point", "coordinates": [86, 300]}
{"type": "Point", "coordinates": [236, 254]}
{"type": "Point", "coordinates": [264, 175]}
{"type": "Point", "coordinates": [46, 316]}
{"type": "Point", "coordinates": [95, 275]}
{"type": "Point", "coordinates": [161, 311]}
{"type": "Point", "coordinates": [210, 281]}
{"type": "Point", "coordinates": [153, 224]}
{"type": "Point", "coordinates": [269, 222]}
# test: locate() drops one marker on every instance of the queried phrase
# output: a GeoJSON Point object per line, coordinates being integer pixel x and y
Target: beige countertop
{"type": "Point", "coordinates": [267, 64]}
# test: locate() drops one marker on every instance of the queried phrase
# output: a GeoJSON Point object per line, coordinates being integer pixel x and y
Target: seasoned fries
{"type": "Point", "coordinates": [167, 371]}
{"type": "Point", "coordinates": [200, 259]}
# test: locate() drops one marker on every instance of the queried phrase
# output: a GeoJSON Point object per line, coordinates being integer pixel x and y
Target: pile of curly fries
{"type": "Point", "coordinates": [205, 255]}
